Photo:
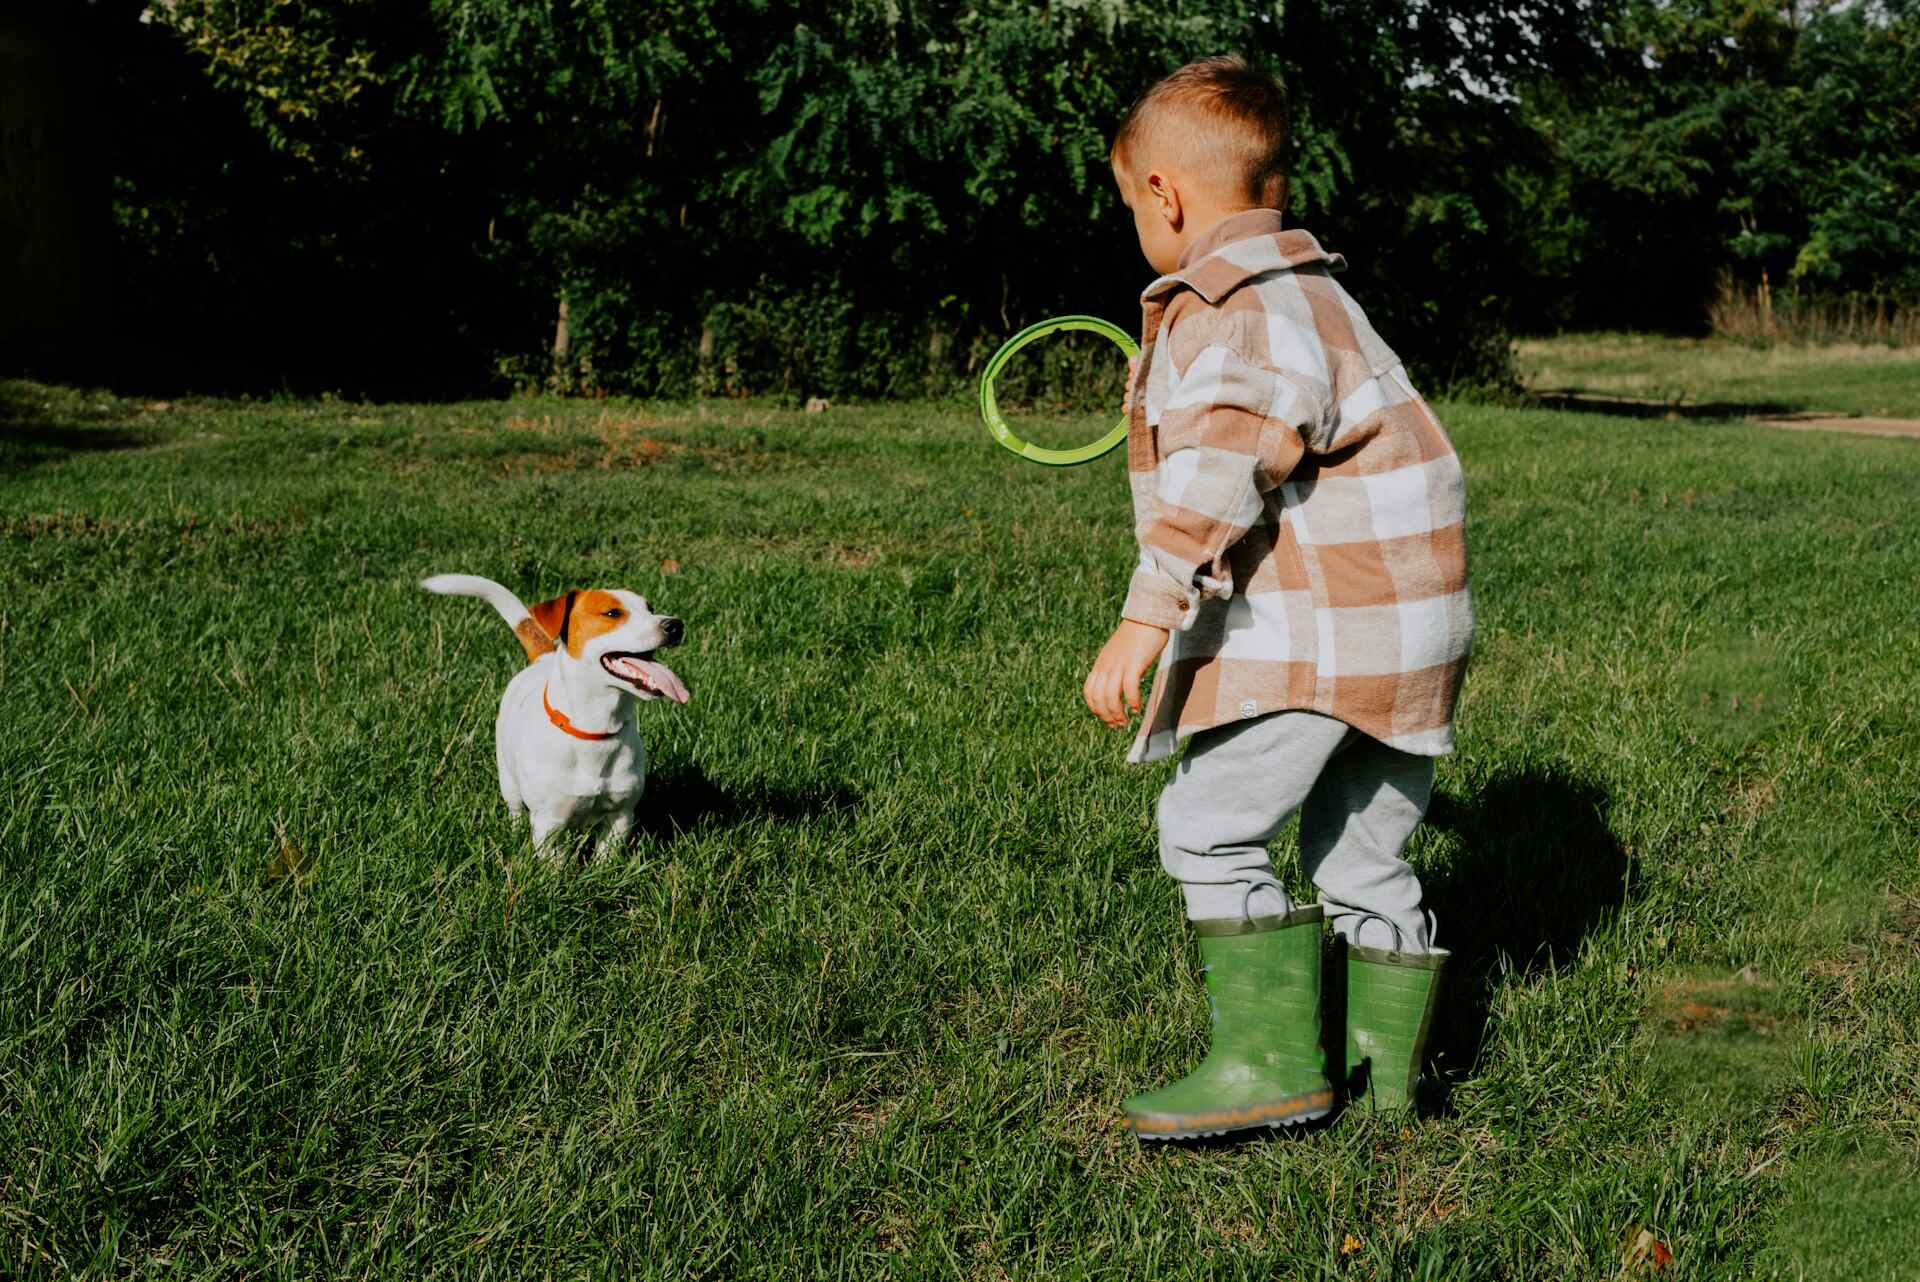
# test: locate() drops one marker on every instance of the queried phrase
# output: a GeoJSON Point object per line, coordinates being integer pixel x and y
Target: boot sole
{"type": "Point", "coordinates": [1195, 1126]}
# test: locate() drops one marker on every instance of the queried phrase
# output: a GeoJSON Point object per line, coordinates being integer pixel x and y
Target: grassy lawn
{"type": "Point", "coordinates": [1879, 382]}
{"type": "Point", "coordinates": [283, 994]}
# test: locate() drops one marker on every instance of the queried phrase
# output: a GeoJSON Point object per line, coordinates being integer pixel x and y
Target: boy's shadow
{"type": "Point", "coordinates": [1536, 870]}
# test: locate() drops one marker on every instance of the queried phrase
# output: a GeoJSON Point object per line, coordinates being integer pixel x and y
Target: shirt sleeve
{"type": "Point", "coordinates": [1229, 432]}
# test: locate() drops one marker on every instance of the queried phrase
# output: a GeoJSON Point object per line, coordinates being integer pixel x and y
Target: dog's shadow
{"type": "Point", "coordinates": [687, 800]}
{"type": "Point", "coordinates": [1535, 871]}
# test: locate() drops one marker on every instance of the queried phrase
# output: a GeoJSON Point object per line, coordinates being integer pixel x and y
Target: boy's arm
{"type": "Point", "coordinates": [1229, 433]}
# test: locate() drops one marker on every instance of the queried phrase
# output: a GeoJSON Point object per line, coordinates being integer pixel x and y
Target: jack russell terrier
{"type": "Point", "coordinates": [569, 755]}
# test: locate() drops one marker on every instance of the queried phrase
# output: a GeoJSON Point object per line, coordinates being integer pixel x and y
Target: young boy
{"type": "Point", "coordinates": [1303, 585]}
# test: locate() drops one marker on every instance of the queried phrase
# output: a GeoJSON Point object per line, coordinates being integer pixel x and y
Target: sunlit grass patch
{"type": "Point", "coordinates": [1841, 378]}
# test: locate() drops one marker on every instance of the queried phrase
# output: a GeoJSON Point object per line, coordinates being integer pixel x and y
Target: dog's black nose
{"type": "Point", "coordinates": [671, 630]}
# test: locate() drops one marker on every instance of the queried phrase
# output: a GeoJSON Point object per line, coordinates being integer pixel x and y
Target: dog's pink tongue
{"type": "Point", "coordinates": [657, 676]}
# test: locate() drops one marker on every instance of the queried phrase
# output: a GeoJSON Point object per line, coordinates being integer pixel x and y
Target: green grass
{"type": "Point", "coordinates": [283, 993]}
{"type": "Point", "coordinates": [1879, 382]}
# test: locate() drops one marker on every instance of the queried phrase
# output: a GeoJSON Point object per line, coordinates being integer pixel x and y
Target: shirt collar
{"type": "Point", "coordinates": [1238, 248]}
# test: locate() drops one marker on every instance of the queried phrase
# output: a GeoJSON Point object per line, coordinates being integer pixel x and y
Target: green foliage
{"type": "Point", "coordinates": [769, 195]}
{"type": "Point", "coordinates": [1778, 140]}
{"type": "Point", "coordinates": [1858, 128]}
{"type": "Point", "coordinates": [297, 65]}
{"type": "Point", "coordinates": [759, 173]}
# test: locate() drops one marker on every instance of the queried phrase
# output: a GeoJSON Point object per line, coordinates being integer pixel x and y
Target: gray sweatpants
{"type": "Point", "coordinates": [1359, 801]}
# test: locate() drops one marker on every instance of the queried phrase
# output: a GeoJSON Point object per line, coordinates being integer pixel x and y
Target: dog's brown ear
{"type": "Point", "coordinates": [552, 616]}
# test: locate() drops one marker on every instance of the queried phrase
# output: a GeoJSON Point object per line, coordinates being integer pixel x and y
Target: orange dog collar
{"type": "Point", "coordinates": [560, 719]}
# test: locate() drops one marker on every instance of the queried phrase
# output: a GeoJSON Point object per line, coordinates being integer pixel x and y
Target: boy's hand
{"type": "Point", "coordinates": [1113, 687]}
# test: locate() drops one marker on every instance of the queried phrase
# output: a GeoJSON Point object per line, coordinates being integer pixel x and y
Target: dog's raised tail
{"type": "Point", "coordinates": [535, 639]}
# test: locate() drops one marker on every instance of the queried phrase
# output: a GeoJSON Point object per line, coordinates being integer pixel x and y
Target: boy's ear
{"type": "Point", "coordinates": [1166, 198]}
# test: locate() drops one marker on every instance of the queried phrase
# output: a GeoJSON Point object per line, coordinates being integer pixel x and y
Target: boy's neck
{"type": "Point", "coordinates": [1206, 225]}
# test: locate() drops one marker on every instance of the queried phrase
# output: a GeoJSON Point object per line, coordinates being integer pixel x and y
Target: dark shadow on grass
{"type": "Point", "coordinates": [1637, 407]}
{"type": "Point", "coordinates": [30, 434]}
{"type": "Point", "coordinates": [28, 445]}
{"type": "Point", "coordinates": [1537, 871]}
{"type": "Point", "coordinates": [686, 800]}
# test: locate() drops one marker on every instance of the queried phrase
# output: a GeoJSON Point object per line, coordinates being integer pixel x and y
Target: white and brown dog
{"type": "Point", "coordinates": [570, 757]}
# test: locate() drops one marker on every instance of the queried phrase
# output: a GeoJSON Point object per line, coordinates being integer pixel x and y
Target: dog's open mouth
{"type": "Point", "coordinates": [653, 680]}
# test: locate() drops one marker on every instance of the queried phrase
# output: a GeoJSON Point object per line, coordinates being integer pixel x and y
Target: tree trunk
{"type": "Point", "coordinates": [56, 192]}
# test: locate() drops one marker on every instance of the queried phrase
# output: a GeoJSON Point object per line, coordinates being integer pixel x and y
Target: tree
{"type": "Point", "coordinates": [855, 197]}
{"type": "Point", "coordinates": [1775, 140]}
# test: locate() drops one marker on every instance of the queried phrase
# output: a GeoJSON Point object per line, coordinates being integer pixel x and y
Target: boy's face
{"type": "Point", "coordinates": [1156, 214]}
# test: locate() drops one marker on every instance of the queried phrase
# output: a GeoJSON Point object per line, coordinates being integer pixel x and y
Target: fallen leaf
{"type": "Point", "coordinates": [1643, 1252]}
{"type": "Point", "coordinates": [1349, 1245]}
{"type": "Point", "coordinates": [669, 566]}
{"type": "Point", "coordinates": [289, 860]}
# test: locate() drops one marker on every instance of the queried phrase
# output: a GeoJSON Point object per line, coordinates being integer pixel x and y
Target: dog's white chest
{"type": "Point", "coordinates": [563, 780]}
{"type": "Point", "coordinates": [607, 779]}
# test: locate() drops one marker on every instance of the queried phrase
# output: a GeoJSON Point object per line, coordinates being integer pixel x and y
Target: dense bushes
{"type": "Point", "coordinates": [1775, 143]}
{"type": "Point", "coordinates": [857, 199]}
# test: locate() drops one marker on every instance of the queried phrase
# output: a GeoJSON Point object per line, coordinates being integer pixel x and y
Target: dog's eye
{"type": "Point", "coordinates": [612, 614]}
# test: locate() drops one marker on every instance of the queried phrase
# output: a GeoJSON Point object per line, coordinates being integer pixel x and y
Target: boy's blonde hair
{"type": "Point", "coordinates": [1226, 122]}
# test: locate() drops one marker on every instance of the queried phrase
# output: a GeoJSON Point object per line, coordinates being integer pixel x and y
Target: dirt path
{"type": "Point", "coordinates": [1814, 422]}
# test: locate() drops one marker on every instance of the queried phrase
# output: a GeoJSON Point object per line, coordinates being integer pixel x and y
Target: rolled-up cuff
{"type": "Point", "coordinates": [1156, 600]}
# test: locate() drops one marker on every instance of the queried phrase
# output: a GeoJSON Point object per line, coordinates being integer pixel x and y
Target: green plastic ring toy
{"type": "Point", "coordinates": [990, 409]}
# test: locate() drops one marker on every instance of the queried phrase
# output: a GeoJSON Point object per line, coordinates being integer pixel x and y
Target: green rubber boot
{"type": "Point", "coordinates": [1390, 997]}
{"type": "Point", "coordinates": [1265, 1066]}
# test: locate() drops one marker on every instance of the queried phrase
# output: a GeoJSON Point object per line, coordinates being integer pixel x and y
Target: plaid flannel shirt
{"type": "Point", "coordinates": [1300, 511]}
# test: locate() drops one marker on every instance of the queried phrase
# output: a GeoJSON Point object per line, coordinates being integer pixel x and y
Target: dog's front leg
{"type": "Point", "coordinates": [615, 834]}
{"type": "Point", "coordinates": [547, 827]}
